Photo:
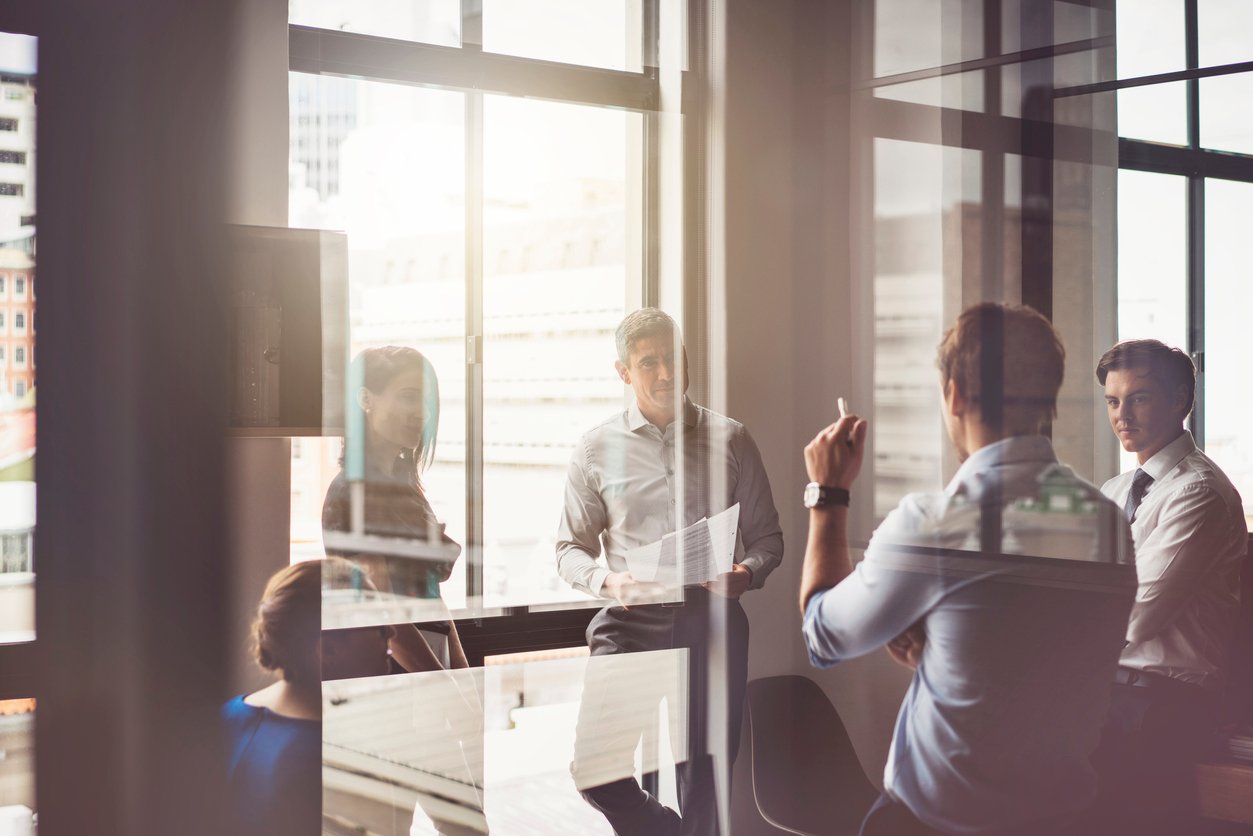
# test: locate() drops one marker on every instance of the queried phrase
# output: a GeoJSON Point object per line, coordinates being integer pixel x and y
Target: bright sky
{"type": "Point", "coordinates": [17, 53]}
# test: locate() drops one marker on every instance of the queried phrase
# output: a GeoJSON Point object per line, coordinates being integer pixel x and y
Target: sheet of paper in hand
{"type": "Point", "coordinates": [698, 553]}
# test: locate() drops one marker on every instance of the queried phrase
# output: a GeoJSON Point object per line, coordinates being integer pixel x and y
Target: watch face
{"type": "Point", "coordinates": [813, 493]}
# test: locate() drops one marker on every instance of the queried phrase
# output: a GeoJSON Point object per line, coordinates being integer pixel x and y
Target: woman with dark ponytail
{"type": "Point", "coordinates": [390, 440]}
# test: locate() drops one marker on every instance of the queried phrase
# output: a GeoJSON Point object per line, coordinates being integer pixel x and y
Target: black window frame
{"type": "Point", "coordinates": [1195, 163]}
{"type": "Point", "coordinates": [475, 71]}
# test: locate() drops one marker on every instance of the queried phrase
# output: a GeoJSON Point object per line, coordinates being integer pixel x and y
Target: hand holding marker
{"type": "Point", "coordinates": [843, 406]}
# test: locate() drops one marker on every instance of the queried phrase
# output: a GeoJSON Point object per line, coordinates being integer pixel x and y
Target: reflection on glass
{"type": "Point", "coordinates": [496, 749]}
{"type": "Point", "coordinates": [1154, 112]}
{"type": "Point", "coordinates": [17, 766]}
{"type": "Point", "coordinates": [1150, 37]}
{"type": "Point", "coordinates": [916, 210]}
{"type": "Point", "coordinates": [376, 512]}
{"type": "Point", "coordinates": [1152, 261]}
{"type": "Point", "coordinates": [963, 91]}
{"type": "Point", "coordinates": [1228, 400]}
{"type": "Point", "coordinates": [1070, 22]}
{"type": "Point", "coordinates": [404, 749]}
{"type": "Point", "coordinates": [594, 33]}
{"type": "Point", "coordinates": [555, 285]}
{"type": "Point", "coordinates": [426, 21]}
{"type": "Point", "coordinates": [1152, 257]}
{"type": "Point", "coordinates": [918, 34]}
{"type": "Point", "coordinates": [17, 338]}
{"type": "Point", "coordinates": [1223, 28]}
{"type": "Point", "coordinates": [1226, 117]}
{"type": "Point", "coordinates": [385, 163]}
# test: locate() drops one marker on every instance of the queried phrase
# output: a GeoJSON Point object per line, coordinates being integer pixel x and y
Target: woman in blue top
{"type": "Point", "coordinates": [274, 780]}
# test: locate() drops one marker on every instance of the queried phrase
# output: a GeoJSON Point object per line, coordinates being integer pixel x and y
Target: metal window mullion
{"type": "Point", "coordinates": [468, 67]}
{"type": "Point", "coordinates": [1196, 298]}
{"type": "Point", "coordinates": [474, 346]}
{"type": "Point", "coordinates": [1192, 52]}
{"type": "Point", "coordinates": [1196, 223]}
{"type": "Point", "coordinates": [650, 260]}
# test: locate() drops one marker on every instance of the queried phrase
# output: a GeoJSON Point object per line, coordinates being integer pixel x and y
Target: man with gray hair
{"type": "Point", "coordinates": [651, 470]}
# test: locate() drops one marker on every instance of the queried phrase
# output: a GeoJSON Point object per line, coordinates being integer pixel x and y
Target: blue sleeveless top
{"type": "Point", "coordinates": [274, 772]}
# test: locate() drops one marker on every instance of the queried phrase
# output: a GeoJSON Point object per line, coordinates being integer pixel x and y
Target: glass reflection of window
{"type": "Point", "coordinates": [555, 210]}
{"type": "Point", "coordinates": [1181, 247]}
{"type": "Point", "coordinates": [492, 232]}
{"type": "Point", "coordinates": [1229, 400]}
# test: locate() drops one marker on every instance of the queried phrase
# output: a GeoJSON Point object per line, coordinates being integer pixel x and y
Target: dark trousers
{"type": "Point", "coordinates": [1156, 731]}
{"type": "Point", "coordinates": [621, 696]}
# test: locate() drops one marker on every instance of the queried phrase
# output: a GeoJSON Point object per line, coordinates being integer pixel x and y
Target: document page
{"type": "Point", "coordinates": [698, 553]}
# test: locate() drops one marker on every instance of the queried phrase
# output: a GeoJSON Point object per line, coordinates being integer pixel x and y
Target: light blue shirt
{"type": "Point", "coordinates": [1025, 612]}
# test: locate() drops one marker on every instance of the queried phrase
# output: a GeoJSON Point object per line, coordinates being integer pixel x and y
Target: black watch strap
{"type": "Point", "coordinates": [822, 496]}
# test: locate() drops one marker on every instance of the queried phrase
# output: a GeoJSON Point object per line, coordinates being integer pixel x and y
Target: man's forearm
{"type": "Point", "coordinates": [579, 568]}
{"type": "Point", "coordinates": [826, 552]}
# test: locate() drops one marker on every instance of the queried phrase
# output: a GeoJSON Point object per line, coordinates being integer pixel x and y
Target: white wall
{"type": "Point", "coordinates": [789, 323]}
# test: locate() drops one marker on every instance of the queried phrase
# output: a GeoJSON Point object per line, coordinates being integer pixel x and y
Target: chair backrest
{"type": "Point", "coordinates": [806, 776]}
{"type": "Point", "coordinates": [1240, 684]}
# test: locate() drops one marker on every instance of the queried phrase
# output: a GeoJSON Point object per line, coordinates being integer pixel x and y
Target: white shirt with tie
{"type": "Point", "coordinates": [1190, 540]}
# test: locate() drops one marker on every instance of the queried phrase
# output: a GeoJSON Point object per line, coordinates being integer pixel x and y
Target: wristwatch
{"type": "Point", "coordinates": [820, 496]}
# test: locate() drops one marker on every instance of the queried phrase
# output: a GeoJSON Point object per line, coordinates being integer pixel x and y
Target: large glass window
{"type": "Point", "coordinates": [502, 236]}
{"type": "Point", "coordinates": [594, 33]}
{"type": "Point", "coordinates": [979, 185]}
{"type": "Point", "coordinates": [427, 21]}
{"type": "Point", "coordinates": [1182, 212]}
{"type": "Point", "coordinates": [557, 279]}
{"type": "Point", "coordinates": [1228, 398]}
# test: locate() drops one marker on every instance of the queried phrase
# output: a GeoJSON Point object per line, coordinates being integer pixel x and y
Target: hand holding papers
{"type": "Point", "coordinates": [697, 554]}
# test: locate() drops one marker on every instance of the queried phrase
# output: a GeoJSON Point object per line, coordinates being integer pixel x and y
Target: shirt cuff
{"type": "Point", "coordinates": [597, 582]}
{"type": "Point", "coordinates": [756, 565]}
{"type": "Point", "coordinates": [814, 632]}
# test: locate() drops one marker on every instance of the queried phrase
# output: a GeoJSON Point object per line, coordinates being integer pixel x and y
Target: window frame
{"type": "Point", "coordinates": [1196, 164]}
{"type": "Point", "coordinates": [475, 72]}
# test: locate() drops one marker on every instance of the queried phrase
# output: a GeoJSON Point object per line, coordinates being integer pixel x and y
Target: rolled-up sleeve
{"type": "Point", "coordinates": [583, 519]}
{"type": "Point", "coordinates": [759, 519]}
{"type": "Point", "coordinates": [885, 594]}
{"type": "Point", "coordinates": [1174, 559]}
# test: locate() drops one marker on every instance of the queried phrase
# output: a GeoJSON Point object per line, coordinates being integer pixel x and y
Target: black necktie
{"type": "Point", "coordinates": [1138, 486]}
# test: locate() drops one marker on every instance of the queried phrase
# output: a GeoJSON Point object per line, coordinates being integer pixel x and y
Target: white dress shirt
{"type": "Point", "coordinates": [1008, 700]}
{"type": "Point", "coordinates": [625, 480]}
{"type": "Point", "coordinates": [1190, 538]}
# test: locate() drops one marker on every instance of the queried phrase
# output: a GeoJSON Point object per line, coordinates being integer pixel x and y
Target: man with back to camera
{"type": "Point", "coordinates": [1019, 576]}
{"type": "Point", "coordinates": [656, 467]}
{"type": "Point", "coordinates": [1190, 538]}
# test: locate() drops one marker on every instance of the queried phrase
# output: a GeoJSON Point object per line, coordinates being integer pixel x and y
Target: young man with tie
{"type": "Point", "coordinates": [1190, 539]}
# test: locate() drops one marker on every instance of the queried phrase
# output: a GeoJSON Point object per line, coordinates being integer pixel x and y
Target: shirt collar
{"type": "Point", "coordinates": [1017, 449]}
{"type": "Point", "coordinates": [1165, 459]}
{"type": "Point", "coordinates": [637, 421]}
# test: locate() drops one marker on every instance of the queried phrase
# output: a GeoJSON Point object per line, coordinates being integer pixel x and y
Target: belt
{"type": "Point", "coordinates": [1145, 679]}
{"type": "Point", "coordinates": [691, 595]}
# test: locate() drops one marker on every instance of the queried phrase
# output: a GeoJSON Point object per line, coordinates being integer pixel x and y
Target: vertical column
{"type": "Point", "coordinates": [131, 600]}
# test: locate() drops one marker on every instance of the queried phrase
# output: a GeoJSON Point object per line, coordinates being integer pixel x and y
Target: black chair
{"type": "Point", "coordinates": [1240, 684]}
{"type": "Point", "coordinates": [806, 776]}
